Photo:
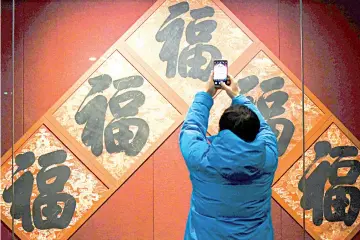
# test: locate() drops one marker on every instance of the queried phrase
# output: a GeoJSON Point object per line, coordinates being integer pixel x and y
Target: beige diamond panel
{"type": "Point", "coordinates": [177, 41]}
{"type": "Point", "coordinates": [332, 163]}
{"type": "Point", "coordinates": [152, 108]}
{"type": "Point", "coordinates": [262, 70]}
{"type": "Point", "coordinates": [163, 47]}
{"type": "Point", "coordinates": [82, 185]}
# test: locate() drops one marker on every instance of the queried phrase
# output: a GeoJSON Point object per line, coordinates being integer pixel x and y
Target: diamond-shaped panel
{"type": "Point", "coordinates": [116, 115]}
{"type": "Point", "coordinates": [33, 191]}
{"type": "Point", "coordinates": [331, 186]}
{"type": "Point", "coordinates": [179, 40]}
{"type": "Point", "coordinates": [278, 99]}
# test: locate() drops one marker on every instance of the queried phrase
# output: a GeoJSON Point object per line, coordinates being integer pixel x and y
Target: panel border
{"type": "Point", "coordinates": [172, 94]}
{"type": "Point", "coordinates": [80, 151]}
{"type": "Point", "coordinates": [179, 104]}
{"type": "Point", "coordinates": [234, 69]}
{"type": "Point", "coordinates": [91, 168]}
{"type": "Point", "coordinates": [296, 152]}
{"type": "Point", "coordinates": [309, 143]}
{"type": "Point", "coordinates": [157, 85]}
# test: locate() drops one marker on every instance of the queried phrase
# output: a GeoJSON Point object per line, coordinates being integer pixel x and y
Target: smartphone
{"type": "Point", "coordinates": [220, 72]}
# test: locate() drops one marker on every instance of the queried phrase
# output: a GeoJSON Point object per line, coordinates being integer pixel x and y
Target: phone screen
{"type": "Point", "coordinates": [220, 71]}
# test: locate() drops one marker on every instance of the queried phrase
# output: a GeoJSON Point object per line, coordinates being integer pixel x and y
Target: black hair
{"type": "Point", "coordinates": [241, 121]}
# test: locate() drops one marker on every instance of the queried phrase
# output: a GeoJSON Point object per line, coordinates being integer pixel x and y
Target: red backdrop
{"type": "Point", "coordinates": [54, 40]}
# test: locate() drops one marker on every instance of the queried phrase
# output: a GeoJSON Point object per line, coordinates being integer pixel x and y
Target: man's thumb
{"type": "Point", "coordinates": [224, 86]}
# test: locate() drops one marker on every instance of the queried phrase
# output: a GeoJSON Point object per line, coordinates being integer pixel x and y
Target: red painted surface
{"type": "Point", "coordinates": [56, 38]}
{"type": "Point", "coordinates": [128, 214]}
{"type": "Point", "coordinates": [172, 189]}
{"type": "Point", "coordinates": [332, 56]}
{"type": "Point", "coordinates": [261, 17]}
{"type": "Point", "coordinates": [6, 77]}
{"type": "Point", "coordinates": [59, 42]}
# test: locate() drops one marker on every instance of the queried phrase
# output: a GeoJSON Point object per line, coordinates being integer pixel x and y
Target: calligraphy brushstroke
{"type": "Point", "coordinates": [327, 179]}
{"type": "Point", "coordinates": [179, 40]}
{"type": "Point", "coordinates": [81, 185]}
{"type": "Point", "coordinates": [277, 97]}
{"type": "Point", "coordinates": [116, 115]}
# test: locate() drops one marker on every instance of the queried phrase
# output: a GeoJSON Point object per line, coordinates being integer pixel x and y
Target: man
{"type": "Point", "coordinates": [232, 172]}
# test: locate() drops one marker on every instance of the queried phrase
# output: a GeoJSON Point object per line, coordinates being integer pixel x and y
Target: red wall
{"type": "Point", "coordinates": [56, 38]}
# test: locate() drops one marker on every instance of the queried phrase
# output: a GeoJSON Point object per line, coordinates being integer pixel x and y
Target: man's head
{"type": "Point", "coordinates": [241, 121]}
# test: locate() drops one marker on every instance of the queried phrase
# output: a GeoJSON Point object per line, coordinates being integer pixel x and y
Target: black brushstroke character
{"type": "Point", "coordinates": [20, 208]}
{"type": "Point", "coordinates": [171, 36]}
{"type": "Point", "coordinates": [93, 114]}
{"type": "Point", "coordinates": [47, 212]}
{"type": "Point", "coordinates": [333, 205]}
{"type": "Point", "coordinates": [117, 134]}
{"type": "Point", "coordinates": [277, 99]}
{"type": "Point", "coordinates": [197, 33]}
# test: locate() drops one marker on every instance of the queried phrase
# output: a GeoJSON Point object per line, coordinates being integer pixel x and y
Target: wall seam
{"type": "Point", "coordinates": [153, 191]}
{"type": "Point", "coordinates": [279, 52]}
{"type": "Point", "coordinates": [23, 73]}
{"type": "Point", "coordinates": [278, 16]}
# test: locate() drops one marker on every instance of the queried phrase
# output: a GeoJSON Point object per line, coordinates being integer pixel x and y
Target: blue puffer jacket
{"type": "Point", "coordinates": [231, 179]}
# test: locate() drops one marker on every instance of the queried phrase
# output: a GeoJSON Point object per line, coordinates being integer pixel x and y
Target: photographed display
{"type": "Point", "coordinates": [278, 99]}
{"type": "Point", "coordinates": [53, 189]}
{"type": "Point", "coordinates": [116, 115]}
{"type": "Point", "coordinates": [136, 95]}
{"type": "Point", "coordinates": [180, 40]}
{"type": "Point", "coordinates": [329, 190]}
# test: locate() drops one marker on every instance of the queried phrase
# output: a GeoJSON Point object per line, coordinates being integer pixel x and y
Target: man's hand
{"type": "Point", "coordinates": [232, 90]}
{"type": "Point", "coordinates": [210, 86]}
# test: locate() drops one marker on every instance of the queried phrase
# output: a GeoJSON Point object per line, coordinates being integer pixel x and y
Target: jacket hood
{"type": "Point", "coordinates": [235, 159]}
